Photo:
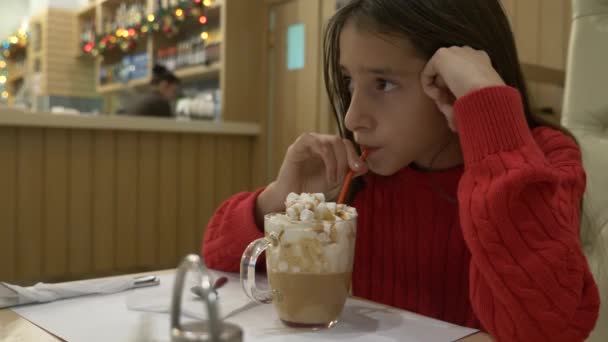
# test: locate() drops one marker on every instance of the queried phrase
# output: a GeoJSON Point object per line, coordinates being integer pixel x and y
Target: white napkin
{"type": "Point", "coordinates": [158, 299]}
{"type": "Point", "coordinates": [11, 295]}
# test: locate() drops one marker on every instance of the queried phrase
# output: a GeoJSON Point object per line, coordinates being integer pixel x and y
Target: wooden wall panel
{"type": "Point", "coordinates": [552, 50]}
{"type": "Point", "coordinates": [56, 194]}
{"type": "Point", "coordinates": [527, 35]}
{"type": "Point", "coordinates": [283, 127]}
{"type": "Point", "coordinates": [223, 166]}
{"type": "Point", "coordinates": [8, 194]}
{"type": "Point", "coordinates": [29, 203]}
{"type": "Point", "coordinates": [187, 199]}
{"type": "Point", "coordinates": [126, 201]}
{"type": "Point", "coordinates": [104, 201]}
{"type": "Point", "coordinates": [542, 30]}
{"type": "Point", "coordinates": [567, 22]}
{"type": "Point", "coordinates": [241, 59]}
{"type": "Point", "coordinates": [148, 199]}
{"type": "Point", "coordinates": [509, 6]}
{"type": "Point", "coordinates": [61, 73]}
{"type": "Point", "coordinates": [81, 203]}
{"type": "Point", "coordinates": [207, 183]}
{"type": "Point", "coordinates": [167, 242]}
{"type": "Point", "coordinates": [552, 29]}
{"type": "Point", "coordinates": [241, 168]}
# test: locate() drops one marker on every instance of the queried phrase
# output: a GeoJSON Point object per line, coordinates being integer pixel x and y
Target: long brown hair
{"type": "Point", "coordinates": [429, 25]}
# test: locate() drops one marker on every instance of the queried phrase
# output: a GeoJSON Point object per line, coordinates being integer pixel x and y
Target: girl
{"type": "Point", "coordinates": [468, 205]}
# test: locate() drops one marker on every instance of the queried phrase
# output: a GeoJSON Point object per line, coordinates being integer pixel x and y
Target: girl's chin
{"type": "Point", "coordinates": [383, 169]}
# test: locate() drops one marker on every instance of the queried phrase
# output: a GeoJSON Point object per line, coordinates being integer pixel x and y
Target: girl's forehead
{"type": "Point", "coordinates": [364, 48]}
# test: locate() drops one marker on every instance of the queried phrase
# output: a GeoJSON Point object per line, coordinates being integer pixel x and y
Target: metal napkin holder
{"type": "Point", "coordinates": [212, 330]}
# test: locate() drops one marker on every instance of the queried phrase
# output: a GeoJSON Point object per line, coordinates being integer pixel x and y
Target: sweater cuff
{"type": "Point", "coordinates": [491, 120]}
{"type": "Point", "coordinates": [246, 216]}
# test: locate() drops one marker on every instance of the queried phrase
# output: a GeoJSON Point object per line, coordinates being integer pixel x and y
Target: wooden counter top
{"type": "Point", "coordinates": [16, 117]}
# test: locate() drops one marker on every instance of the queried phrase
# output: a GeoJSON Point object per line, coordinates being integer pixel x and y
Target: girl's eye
{"type": "Point", "coordinates": [385, 85]}
{"type": "Point", "coordinates": [348, 82]}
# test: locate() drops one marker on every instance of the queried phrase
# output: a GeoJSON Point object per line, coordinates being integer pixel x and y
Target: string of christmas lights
{"type": "Point", "coordinates": [10, 48]}
{"type": "Point", "coordinates": [3, 79]}
{"type": "Point", "coordinates": [166, 21]}
{"type": "Point", "coordinates": [14, 44]}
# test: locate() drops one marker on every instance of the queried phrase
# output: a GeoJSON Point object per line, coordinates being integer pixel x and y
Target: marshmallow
{"type": "Point", "coordinates": [307, 215]}
{"type": "Point", "coordinates": [300, 207]}
{"type": "Point", "coordinates": [320, 197]}
{"type": "Point", "coordinates": [291, 212]}
{"type": "Point", "coordinates": [331, 207]}
{"type": "Point", "coordinates": [291, 199]}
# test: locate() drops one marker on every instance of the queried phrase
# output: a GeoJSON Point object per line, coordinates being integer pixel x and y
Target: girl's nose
{"type": "Point", "coordinates": [357, 116]}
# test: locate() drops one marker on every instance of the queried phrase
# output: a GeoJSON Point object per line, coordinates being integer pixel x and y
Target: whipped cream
{"type": "Point", "coordinates": [314, 236]}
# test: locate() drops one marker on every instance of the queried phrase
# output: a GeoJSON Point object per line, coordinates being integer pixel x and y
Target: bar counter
{"type": "Point", "coordinates": [89, 196]}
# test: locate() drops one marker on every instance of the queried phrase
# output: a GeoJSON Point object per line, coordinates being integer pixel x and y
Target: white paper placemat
{"type": "Point", "coordinates": [107, 318]}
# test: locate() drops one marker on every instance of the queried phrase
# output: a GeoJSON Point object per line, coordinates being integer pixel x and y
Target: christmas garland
{"type": "Point", "coordinates": [9, 49]}
{"type": "Point", "coordinates": [166, 21]}
{"type": "Point", "coordinates": [3, 79]}
{"type": "Point", "coordinates": [15, 43]}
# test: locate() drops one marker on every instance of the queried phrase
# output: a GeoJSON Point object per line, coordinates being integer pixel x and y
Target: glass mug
{"type": "Point", "coordinates": [309, 267]}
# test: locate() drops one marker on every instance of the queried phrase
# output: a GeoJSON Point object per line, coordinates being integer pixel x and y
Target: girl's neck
{"type": "Point", "coordinates": [446, 155]}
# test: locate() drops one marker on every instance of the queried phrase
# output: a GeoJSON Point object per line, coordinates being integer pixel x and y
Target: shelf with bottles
{"type": "Point", "coordinates": [190, 49]}
{"type": "Point", "coordinates": [121, 24]}
{"type": "Point", "coordinates": [165, 5]}
{"type": "Point", "coordinates": [186, 17]}
{"type": "Point", "coordinates": [243, 21]}
{"type": "Point", "coordinates": [199, 72]}
{"type": "Point", "coordinates": [194, 47]}
{"type": "Point", "coordinates": [110, 88]}
{"type": "Point", "coordinates": [123, 72]}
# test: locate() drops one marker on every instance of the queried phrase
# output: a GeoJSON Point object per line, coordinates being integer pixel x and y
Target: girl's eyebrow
{"type": "Point", "coordinates": [379, 71]}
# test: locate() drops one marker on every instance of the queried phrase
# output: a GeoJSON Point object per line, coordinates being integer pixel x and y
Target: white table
{"type": "Point", "coordinates": [107, 318]}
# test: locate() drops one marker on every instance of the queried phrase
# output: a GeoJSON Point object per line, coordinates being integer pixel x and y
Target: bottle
{"type": "Point", "coordinates": [201, 51]}
{"type": "Point", "coordinates": [189, 52]}
{"type": "Point", "coordinates": [84, 34]}
{"type": "Point", "coordinates": [178, 62]}
{"type": "Point", "coordinates": [107, 26]}
{"type": "Point", "coordinates": [92, 32]}
{"type": "Point", "coordinates": [123, 16]}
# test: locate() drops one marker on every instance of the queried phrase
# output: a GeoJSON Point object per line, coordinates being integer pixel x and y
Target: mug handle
{"type": "Point", "coordinates": [248, 262]}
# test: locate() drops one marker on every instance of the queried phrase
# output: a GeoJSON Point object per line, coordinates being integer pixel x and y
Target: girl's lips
{"type": "Point", "coordinates": [369, 149]}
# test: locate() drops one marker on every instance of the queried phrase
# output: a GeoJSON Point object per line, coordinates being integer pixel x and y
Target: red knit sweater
{"type": "Point", "coordinates": [504, 257]}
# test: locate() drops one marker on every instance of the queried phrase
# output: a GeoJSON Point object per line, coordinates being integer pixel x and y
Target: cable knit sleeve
{"type": "Point", "coordinates": [229, 231]}
{"type": "Point", "coordinates": [520, 199]}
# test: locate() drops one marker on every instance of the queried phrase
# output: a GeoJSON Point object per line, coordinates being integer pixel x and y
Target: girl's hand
{"type": "Point", "coordinates": [313, 163]}
{"type": "Point", "coordinates": [454, 72]}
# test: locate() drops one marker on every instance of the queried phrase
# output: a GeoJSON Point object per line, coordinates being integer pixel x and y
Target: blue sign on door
{"type": "Point", "coordinates": [296, 42]}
